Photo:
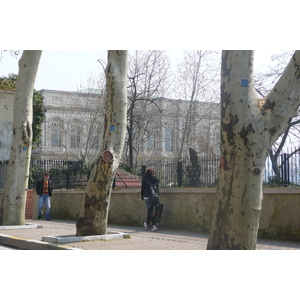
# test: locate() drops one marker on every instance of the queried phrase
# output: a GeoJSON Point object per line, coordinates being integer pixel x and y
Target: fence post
{"type": "Point", "coordinates": [114, 183]}
{"type": "Point", "coordinates": [288, 170]}
{"type": "Point", "coordinates": [68, 176]}
{"type": "Point", "coordinates": [285, 170]}
{"type": "Point", "coordinates": [143, 171]}
{"type": "Point", "coordinates": [179, 174]}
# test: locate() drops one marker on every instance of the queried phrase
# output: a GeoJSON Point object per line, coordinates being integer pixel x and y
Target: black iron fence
{"type": "Point", "coordinates": [67, 174]}
{"type": "Point", "coordinates": [171, 173]}
{"type": "Point", "coordinates": [64, 174]}
{"type": "Point", "coordinates": [283, 170]}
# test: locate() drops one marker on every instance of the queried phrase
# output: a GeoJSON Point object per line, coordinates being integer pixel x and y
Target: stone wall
{"type": "Point", "coordinates": [280, 216]}
{"type": "Point", "coordinates": [189, 209]}
{"type": "Point", "coordinates": [184, 208]}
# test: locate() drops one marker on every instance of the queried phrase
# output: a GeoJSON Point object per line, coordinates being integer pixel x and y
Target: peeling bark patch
{"type": "Point", "coordinates": [86, 227]}
{"type": "Point", "coordinates": [225, 69]}
{"type": "Point", "coordinates": [244, 133]}
{"type": "Point", "coordinates": [224, 162]}
{"type": "Point", "coordinates": [26, 132]}
{"type": "Point", "coordinates": [256, 171]}
{"type": "Point", "coordinates": [229, 128]}
{"type": "Point", "coordinates": [269, 105]}
{"type": "Point", "coordinates": [273, 130]}
{"type": "Point", "coordinates": [297, 67]}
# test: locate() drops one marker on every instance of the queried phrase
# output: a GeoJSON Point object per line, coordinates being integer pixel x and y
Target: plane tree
{"type": "Point", "coordinates": [264, 81]}
{"type": "Point", "coordinates": [95, 204]}
{"type": "Point", "coordinates": [249, 127]}
{"type": "Point", "coordinates": [12, 210]}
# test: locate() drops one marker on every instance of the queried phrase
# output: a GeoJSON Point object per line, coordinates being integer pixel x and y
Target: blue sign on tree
{"type": "Point", "coordinates": [244, 83]}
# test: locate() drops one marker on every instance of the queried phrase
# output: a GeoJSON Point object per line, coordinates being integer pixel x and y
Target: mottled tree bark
{"type": "Point", "coordinates": [249, 127]}
{"type": "Point", "coordinates": [94, 213]}
{"type": "Point", "coordinates": [12, 211]}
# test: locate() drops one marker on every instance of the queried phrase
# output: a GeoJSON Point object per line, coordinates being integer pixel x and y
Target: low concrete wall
{"type": "Point", "coordinates": [187, 208]}
{"type": "Point", "coordinates": [183, 208]}
{"type": "Point", "coordinates": [126, 207]}
{"type": "Point", "coordinates": [280, 215]}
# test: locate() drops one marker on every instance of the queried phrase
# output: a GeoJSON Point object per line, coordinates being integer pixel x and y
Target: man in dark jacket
{"type": "Point", "coordinates": [44, 189]}
{"type": "Point", "coordinates": [149, 189]}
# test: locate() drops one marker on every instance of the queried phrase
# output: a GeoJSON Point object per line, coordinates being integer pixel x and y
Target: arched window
{"type": "Point", "coordinates": [75, 136]}
{"type": "Point", "coordinates": [55, 133]}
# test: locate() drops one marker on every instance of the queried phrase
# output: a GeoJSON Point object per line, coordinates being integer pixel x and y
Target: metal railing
{"type": "Point", "coordinates": [284, 171]}
{"type": "Point", "coordinates": [171, 173]}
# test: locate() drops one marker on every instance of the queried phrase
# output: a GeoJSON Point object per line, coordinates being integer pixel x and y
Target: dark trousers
{"type": "Point", "coordinates": [150, 216]}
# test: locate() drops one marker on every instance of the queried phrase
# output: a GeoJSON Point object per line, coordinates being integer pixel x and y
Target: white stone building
{"type": "Point", "coordinates": [164, 128]}
{"type": "Point", "coordinates": [74, 125]}
{"type": "Point", "coordinates": [6, 123]}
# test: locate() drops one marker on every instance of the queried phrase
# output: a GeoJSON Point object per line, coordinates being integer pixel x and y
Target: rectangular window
{"type": "Point", "coordinates": [55, 134]}
{"type": "Point", "coordinates": [94, 143]}
{"type": "Point", "coordinates": [151, 142]}
{"type": "Point", "coordinates": [168, 139]}
{"type": "Point", "coordinates": [75, 137]}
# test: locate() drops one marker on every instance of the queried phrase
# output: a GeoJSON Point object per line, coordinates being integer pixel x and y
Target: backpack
{"type": "Point", "coordinates": [153, 198]}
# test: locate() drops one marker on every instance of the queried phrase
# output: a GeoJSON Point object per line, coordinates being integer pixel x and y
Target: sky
{"type": "Point", "coordinates": [86, 25]}
{"type": "Point", "coordinates": [60, 70]}
{"type": "Point", "coordinates": [69, 70]}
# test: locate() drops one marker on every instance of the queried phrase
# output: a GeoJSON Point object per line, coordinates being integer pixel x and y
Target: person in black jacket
{"type": "Point", "coordinates": [44, 189]}
{"type": "Point", "coordinates": [149, 190]}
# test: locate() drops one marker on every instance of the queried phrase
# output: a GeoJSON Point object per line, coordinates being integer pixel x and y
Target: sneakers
{"type": "Point", "coordinates": [154, 228]}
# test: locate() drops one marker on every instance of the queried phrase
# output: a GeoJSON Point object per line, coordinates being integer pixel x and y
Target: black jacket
{"type": "Point", "coordinates": [146, 189]}
{"type": "Point", "coordinates": [40, 186]}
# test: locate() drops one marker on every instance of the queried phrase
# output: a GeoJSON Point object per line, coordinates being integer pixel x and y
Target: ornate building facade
{"type": "Point", "coordinates": [74, 126]}
{"type": "Point", "coordinates": [6, 123]}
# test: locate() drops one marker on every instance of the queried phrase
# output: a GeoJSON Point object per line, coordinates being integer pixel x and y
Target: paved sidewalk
{"type": "Point", "coordinates": [6, 248]}
{"type": "Point", "coordinates": [140, 239]}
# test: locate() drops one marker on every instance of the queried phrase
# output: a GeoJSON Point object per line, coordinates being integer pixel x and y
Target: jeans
{"type": "Point", "coordinates": [44, 199]}
{"type": "Point", "coordinates": [150, 216]}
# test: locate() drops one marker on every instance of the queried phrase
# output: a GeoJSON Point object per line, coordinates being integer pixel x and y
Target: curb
{"type": "Point", "coordinates": [25, 244]}
{"type": "Point", "coordinates": [26, 226]}
{"type": "Point", "coordinates": [61, 239]}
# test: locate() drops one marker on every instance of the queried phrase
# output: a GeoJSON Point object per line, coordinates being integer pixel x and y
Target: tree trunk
{"type": "Point", "coordinates": [94, 213]}
{"type": "Point", "coordinates": [249, 127]}
{"type": "Point", "coordinates": [130, 135]}
{"type": "Point", "coordinates": [15, 191]}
